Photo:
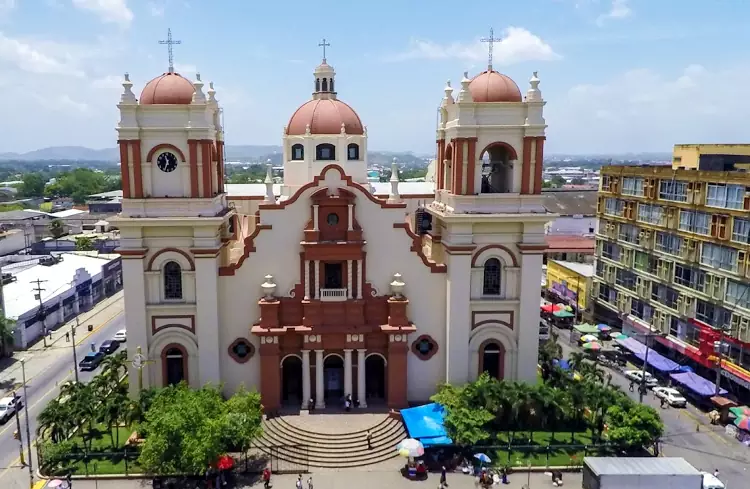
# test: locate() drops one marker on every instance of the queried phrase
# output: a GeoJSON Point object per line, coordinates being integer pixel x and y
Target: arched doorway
{"type": "Point", "coordinates": [174, 361]}
{"type": "Point", "coordinates": [375, 375]}
{"type": "Point", "coordinates": [448, 168]}
{"type": "Point", "coordinates": [333, 376]}
{"type": "Point", "coordinates": [497, 169]}
{"type": "Point", "coordinates": [291, 380]}
{"type": "Point", "coordinates": [492, 356]}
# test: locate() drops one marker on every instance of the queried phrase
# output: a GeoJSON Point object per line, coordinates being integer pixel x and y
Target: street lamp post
{"type": "Point", "coordinates": [28, 429]}
{"type": "Point", "coordinates": [18, 432]}
{"type": "Point", "coordinates": [642, 384]}
{"type": "Point", "coordinates": [720, 348]}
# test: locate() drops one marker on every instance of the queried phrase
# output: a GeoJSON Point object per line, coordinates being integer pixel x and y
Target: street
{"type": "Point", "coordinates": [706, 449]}
{"type": "Point", "coordinates": [46, 370]}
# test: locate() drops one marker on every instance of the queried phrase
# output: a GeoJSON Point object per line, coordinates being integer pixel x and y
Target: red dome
{"type": "Point", "coordinates": [325, 116]}
{"type": "Point", "coordinates": [169, 88]}
{"type": "Point", "coordinates": [491, 86]}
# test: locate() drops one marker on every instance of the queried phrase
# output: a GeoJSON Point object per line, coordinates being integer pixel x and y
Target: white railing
{"type": "Point", "coordinates": [332, 295]}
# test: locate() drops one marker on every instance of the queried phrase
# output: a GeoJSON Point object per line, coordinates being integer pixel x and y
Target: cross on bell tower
{"type": "Point", "coordinates": [491, 41]}
{"type": "Point", "coordinates": [324, 45]}
{"type": "Point", "coordinates": [170, 42]}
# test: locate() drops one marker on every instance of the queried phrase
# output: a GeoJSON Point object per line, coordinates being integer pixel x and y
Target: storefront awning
{"type": "Point", "coordinates": [632, 344]}
{"type": "Point", "coordinates": [658, 361]}
{"type": "Point", "coordinates": [697, 384]}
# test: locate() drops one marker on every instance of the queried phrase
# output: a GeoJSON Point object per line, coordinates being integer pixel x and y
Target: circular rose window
{"type": "Point", "coordinates": [424, 347]}
{"type": "Point", "coordinates": [241, 350]}
{"type": "Point", "coordinates": [332, 219]}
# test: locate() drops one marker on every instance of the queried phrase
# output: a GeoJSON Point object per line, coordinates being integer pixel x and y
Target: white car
{"type": "Point", "coordinates": [636, 376]}
{"type": "Point", "coordinates": [672, 396]}
{"type": "Point", "coordinates": [8, 406]}
{"type": "Point", "coordinates": [121, 336]}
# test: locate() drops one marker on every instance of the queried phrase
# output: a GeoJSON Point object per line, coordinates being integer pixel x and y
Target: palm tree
{"type": "Point", "coordinates": [521, 405]}
{"type": "Point", "coordinates": [55, 421]}
{"type": "Point", "coordinates": [6, 334]}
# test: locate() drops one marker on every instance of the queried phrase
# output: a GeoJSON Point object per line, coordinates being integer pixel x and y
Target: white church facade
{"type": "Point", "coordinates": [321, 287]}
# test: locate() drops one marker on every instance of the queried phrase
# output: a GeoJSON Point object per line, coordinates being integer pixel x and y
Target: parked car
{"type": "Point", "coordinates": [121, 336]}
{"type": "Point", "coordinates": [8, 407]}
{"type": "Point", "coordinates": [91, 361]}
{"type": "Point", "coordinates": [671, 395]}
{"type": "Point", "coordinates": [109, 346]}
{"type": "Point", "coordinates": [636, 376]}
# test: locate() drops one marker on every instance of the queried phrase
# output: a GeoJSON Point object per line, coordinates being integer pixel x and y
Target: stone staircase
{"type": "Point", "coordinates": [296, 446]}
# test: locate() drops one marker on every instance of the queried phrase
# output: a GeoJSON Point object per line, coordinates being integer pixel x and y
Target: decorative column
{"type": "Point", "coordinates": [471, 166]}
{"type": "Point", "coordinates": [308, 285]}
{"type": "Point", "coordinates": [137, 169]}
{"type": "Point", "coordinates": [270, 373]}
{"type": "Point", "coordinates": [398, 349]}
{"type": "Point", "coordinates": [351, 218]}
{"type": "Point", "coordinates": [316, 290]}
{"type": "Point", "coordinates": [361, 388]}
{"type": "Point", "coordinates": [526, 183]}
{"type": "Point", "coordinates": [206, 162]}
{"type": "Point", "coordinates": [348, 372]}
{"type": "Point", "coordinates": [305, 377]}
{"type": "Point", "coordinates": [207, 319]}
{"type": "Point", "coordinates": [124, 145]}
{"type": "Point", "coordinates": [320, 392]}
{"type": "Point", "coordinates": [349, 284]}
{"type": "Point", "coordinates": [458, 317]}
{"type": "Point", "coordinates": [359, 279]}
{"type": "Point", "coordinates": [315, 217]}
{"type": "Point", "coordinates": [193, 163]}
{"type": "Point", "coordinates": [528, 334]}
{"type": "Point", "coordinates": [539, 163]}
{"type": "Point", "coordinates": [135, 308]}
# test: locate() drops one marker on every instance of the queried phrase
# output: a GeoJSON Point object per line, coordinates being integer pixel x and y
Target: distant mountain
{"type": "Point", "coordinates": [74, 153]}
{"type": "Point", "coordinates": [252, 152]}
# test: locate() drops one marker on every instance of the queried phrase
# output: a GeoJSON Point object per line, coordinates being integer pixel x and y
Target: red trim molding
{"type": "Point", "coordinates": [190, 328]}
{"type": "Point", "coordinates": [193, 163]}
{"type": "Point", "coordinates": [419, 354]}
{"type": "Point", "coordinates": [234, 356]}
{"type": "Point", "coordinates": [165, 146]}
{"type": "Point", "coordinates": [510, 149]}
{"type": "Point", "coordinates": [494, 246]}
{"type": "Point", "coordinates": [416, 247]}
{"type": "Point", "coordinates": [137, 169]}
{"type": "Point", "coordinates": [539, 164]}
{"type": "Point", "coordinates": [176, 250]}
{"type": "Point", "coordinates": [249, 248]}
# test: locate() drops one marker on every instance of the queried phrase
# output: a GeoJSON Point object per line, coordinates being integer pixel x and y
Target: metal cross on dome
{"type": "Point", "coordinates": [324, 45]}
{"type": "Point", "coordinates": [491, 41]}
{"type": "Point", "coordinates": [170, 42]}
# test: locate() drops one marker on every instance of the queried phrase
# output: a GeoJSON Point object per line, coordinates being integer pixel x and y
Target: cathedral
{"type": "Point", "coordinates": [327, 284]}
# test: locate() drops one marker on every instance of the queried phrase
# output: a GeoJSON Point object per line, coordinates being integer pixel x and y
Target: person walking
{"type": "Point", "coordinates": [299, 482]}
{"type": "Point", "coordinates": [369, 440]}
{"type": "Point", "coordinates": [266, 478]}
{"type": "Point", "coordinates": [443, 480]}
{"type": "Point", "coordinates": [631, 388]}
{"type": "Point", "coordinates": [309, 483]}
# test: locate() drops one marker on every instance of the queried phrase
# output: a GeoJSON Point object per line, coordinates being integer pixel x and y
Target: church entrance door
{"type": "Point", "coordinates": [291, 380]}
{"type": "Point", "coordinates": [333, 377]}
{"type": "Point", "coordinates": [375, 374]}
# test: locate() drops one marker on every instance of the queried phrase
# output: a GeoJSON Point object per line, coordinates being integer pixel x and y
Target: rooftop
{"type": "Point", "coordinates": [582, 269]}
{"type": "Point", "coordinates": [559, 243]}
{"type": "Point", "coordinates": [22, 215]}
{"type": "Point", "coordinates": [640, 465]}
{"type": "Point", "coordinates": [107, 195]}
{"type": "Point", "coordinates": [19, 295]}
{"type": "Point", "coordinates": [571, 203]}
{"type": "Point", "coordinates": [68, 213]}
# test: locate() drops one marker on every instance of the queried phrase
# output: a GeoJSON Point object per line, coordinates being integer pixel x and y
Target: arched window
{"type": "Point", "coordinates": [317, 84]}
{"type": "Point", "coordinates": [298, 152]}
{"type": "Point", "coordinates": [172, 280]}
{"type": "Point", "coordinates": [174, 359]}
{"type": "Point", "coordinates": [493, 356]}
{"type": "Point", "coordinates": [491, 282]}
{"type": "Point", "coordinates": [352, 152]}
{"type": "Point", "coordinates": [325, 84]}
{"type": "Point", "coordinates": [325, 152]}
{"type": "Point", "coordinates": [332, 85]}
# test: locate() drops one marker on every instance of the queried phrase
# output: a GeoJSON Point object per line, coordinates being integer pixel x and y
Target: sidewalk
{"type": "Point", "coordinates": [38, 358]}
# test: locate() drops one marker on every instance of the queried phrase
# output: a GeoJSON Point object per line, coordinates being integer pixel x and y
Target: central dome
{"type": "Point", "coordinates": [491, 86]}
{"type": "Point", "coordinates": [168, 89]}
{"type": "Point", "coordinates": [324, 116]}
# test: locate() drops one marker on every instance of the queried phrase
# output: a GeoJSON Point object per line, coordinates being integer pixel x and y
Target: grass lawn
{"type": "Point", "coordinates": [101, 439]}
{"type": "Point", "coordinates": [105, 465]}
{"type": "Point", "coordinates": [564, 451]}
{"type": "Point", "coordinates": [114, 463]}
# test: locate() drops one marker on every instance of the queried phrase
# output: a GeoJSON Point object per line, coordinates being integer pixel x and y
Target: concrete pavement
{"type": "Point", "coordinates": [46, 369]}
{"type": "Point", "coordinates": [688, 433]}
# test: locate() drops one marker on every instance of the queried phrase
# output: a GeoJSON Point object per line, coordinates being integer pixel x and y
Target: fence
{"type": "Point", "coordinates": [562, 455]}
{"type": "Point", "coordinates": [121, 462]}
{"type": "Point", "coordinates": [281, 459]}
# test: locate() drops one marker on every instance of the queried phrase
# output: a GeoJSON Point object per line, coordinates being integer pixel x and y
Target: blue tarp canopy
{"type": "Point", "coordinates": [563, 364]}
{"type": "Point", "coordinates": [425, 423]}
{"type": "Point", "coordinates": [659, 362]}
{"type": "Point", "coordinates": [632, 344]}
{"type": "Point", "coordinates": [696, 383]}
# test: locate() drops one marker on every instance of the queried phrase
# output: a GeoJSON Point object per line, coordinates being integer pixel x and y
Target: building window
{"type": "Point", "coordinates": [645, 263]}
{"type": "Point", "coordinates": [298, 152]}
{"type": "Point", "coordinates": [629, 233]}
{"type": "Point", "coordinates": [493, 356]}
{"type": "Point", "coordinates": [632, 186]}
{"type": "Point", "coordinates": [641, 309]}
{"type": "Point", "coordinates": [738, 294]}
{"type": "Point", "coordinates": [689, 277]}
{"type": "Point", "coordinates": [491, 278]}
{"type": "Point", "coordinates": [718, 256]}
{"type": "Point", "coordinates": [599, 268]}
{"type": "Point", "coordinates": [650, 213]}
{"type": "Point", "coordinates": [625, 278]}
{"type": "Point", "coordinates": [692, 334]}
{"type": "Point", "coordinates": [325, 152]}
{"type": "Point", "coordinates": [610, 250]}
{"type": "Point", "coordinates": [352, 152]}
{"type": "Point", "coordinates": [332, 219]}
{"type": "Point", "coordinates": [711, 314]}
{"type": "Point", "coordinates": [614, 207]}
{"type": "Point", "coordinates": [664, 295]}
{"type": "Point", "coordinates": [607, 294]}
{"type": "Point", "coordinates": [695, 222]}
{"type": "Point", "coordinates": [172, 280]}
{"type": "Point", "coordinates": [241, 350]}
{"type": "Point", "coordinates": [674, 190]}
{"type": "Point", "coordinates": [424, 347]}
{"type": "Point", "coordinates": [669, 243]}
{"type": "Point", "coordinates": [741, 230]}
{"type": "Point", "coordinates": [725, 196]}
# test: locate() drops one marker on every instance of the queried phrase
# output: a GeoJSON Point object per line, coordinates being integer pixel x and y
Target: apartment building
{"type": "Point", "coordinates": [673, 255]}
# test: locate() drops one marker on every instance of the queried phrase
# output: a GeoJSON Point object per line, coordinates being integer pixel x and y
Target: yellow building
{"type": "Point", "coordinates": [673, 254]}
{"type": "Point", "coordinates": [571, 282]}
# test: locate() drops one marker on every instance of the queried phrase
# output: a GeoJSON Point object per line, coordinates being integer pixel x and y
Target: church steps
{"type": "Point", "coordinates": [301, 458]}
{"type": "Point", "coordinates": [355, 436]}
{"type": "Point", "coordinates": [351, 434]}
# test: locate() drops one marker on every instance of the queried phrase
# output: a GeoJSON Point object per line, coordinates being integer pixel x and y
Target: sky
{"type": "Point", "coordinates": [617, 75]}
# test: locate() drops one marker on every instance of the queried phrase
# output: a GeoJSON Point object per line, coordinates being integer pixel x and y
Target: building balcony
{"type": "Point", "coordinates": [446, 203]}
{"type": "Point", "coordinates": [333, 295]}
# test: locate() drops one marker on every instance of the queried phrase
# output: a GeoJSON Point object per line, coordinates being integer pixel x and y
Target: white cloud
{"type": "Point", "coordinates": [516, 45]}
{"type": "Point", "coordinates": [642, 110]}
{"type": "Point", "coordinates": [619, 9]}
{"type": "Point", "coordinates": [7, 6]}
{"type": "Point", "coordinates": [62, 103]}
{"type": "Point", "coordinates": [157, 8]}
{"type": "Point", "coordinates": [109, 11]}
{"type": "Point", "coordinates": [38, 57]}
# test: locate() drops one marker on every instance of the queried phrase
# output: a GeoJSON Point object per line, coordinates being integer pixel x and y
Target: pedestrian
{"type": "Point", "coordinates": [299, 482]}
{"type": "Point", "coordinates": [663, 402]}
{"type": "Point", "coordinates": [443, 481]}
{"type": "Point", "coordinates": [67, 337]}
{"type": "Point", "coordinates": [716, 473]}
{"type": "Point", "coordinates": [266, 478]}
{"type": "Point", "coordinates": [310, 405]}
{"type": "Point", "coordinates": [309, 483]}
{"type": "Point", "coordinates": [93, 347]}
{"type": "Point", "coordinates": [369, 440]}
{"type": "Point", "coordinates": [632, 386]}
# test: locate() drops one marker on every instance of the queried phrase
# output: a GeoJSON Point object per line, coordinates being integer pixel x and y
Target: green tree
{"type": "Point", "coordinates": [464, 423]}
{"type": "Point", "coordinates": [84, 243]}
{"type": "Point", "coordinates": [7, 327]}
{"type": "Point", "coordinates": [558, 181]}
{"type": "Point", "coordinates": [79, 184]}
{"type": "Point", "coordinates": [244, 415]}
{"type": "Point", "coordinates": [633, 426]}
{"type": "Point", "coordinates": [54, 422]}
{"type": "Point", "coordinates": [56, 228]}
{"type": "Point", "coordinates": [33, 185]}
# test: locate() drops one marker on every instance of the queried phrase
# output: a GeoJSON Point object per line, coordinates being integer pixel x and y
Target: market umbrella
{"type": "Point", "coordinates": [562, 314]}
{"type": "Point", "coordinates": [548, 308]}
{"type": "Point", "coordinates": [619, 336]}
{"type": "Point", "coordinates": [742, 423]}
{"type": "Point", "coordinates": [563, 307]}
{"type": "Point", "coordinates": [410, 448]}
{"type": "Point", "coordinates": [482, 458]}
{"type": "Point", "coordinates": [592, 346]}
{"type": "Point", "coordinates": [740, 411]}
{"type": "Point", "coordinates": [56, 483]}
{"type": "Point", "coordinates": [225, 462]}
{"type": "Point", "coordinates": [588, 338]}
{"type": "Point", "coordinates": [603, 327]}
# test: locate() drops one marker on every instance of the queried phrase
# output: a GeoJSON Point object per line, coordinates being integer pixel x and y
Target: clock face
{"type": "Point", "coordinates": [167, 162]}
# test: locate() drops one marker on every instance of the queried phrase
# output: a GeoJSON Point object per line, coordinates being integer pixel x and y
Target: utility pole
{"type": "Point", "coordinates": [18, 432]}
{"type": "Point", "coordinates": [38, 296]}
{"type": "Point", "coordinates": [642, 385]}
{"type": "Point", "coordinates": [28, 429]}
{"type": "Point", "coordinates": [73, 338]}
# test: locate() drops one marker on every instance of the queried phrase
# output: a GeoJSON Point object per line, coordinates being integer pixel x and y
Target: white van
{"type": "Point", "coordinates": [710, 481]}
